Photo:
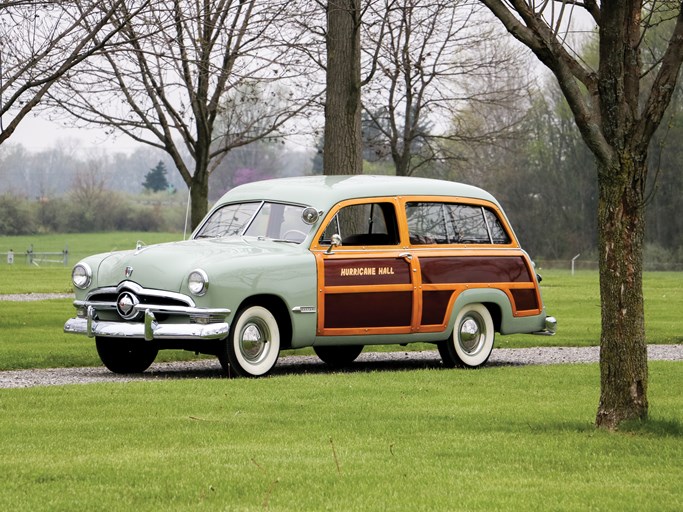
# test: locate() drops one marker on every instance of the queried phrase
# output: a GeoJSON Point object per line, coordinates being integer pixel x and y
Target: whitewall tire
{"type": "Point", "coordinates": [253, 345]}
{"type": "Point", "coordinates": [471, 343]}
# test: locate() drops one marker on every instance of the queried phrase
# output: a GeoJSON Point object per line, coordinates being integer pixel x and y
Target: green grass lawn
{"type": "Point", "coordinates": [502, 438]}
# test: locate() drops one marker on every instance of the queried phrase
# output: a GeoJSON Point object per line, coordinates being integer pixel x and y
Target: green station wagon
{"type": "Point", "coordinates": [330, 262]}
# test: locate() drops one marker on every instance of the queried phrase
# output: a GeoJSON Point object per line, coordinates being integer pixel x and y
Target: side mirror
{"type": "Point", "coordinates": [336, 241]}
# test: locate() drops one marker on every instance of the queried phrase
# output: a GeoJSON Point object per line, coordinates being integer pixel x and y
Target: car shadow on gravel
{"type": "Point", "coordinates": [303, 365]}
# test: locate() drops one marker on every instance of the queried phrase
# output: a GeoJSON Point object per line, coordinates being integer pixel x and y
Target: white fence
{"type": "Point", "coordinates": [36, 258]}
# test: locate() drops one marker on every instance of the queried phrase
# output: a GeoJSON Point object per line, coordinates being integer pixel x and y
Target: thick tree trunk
{"type": "Point", "coordinates": [343, 151]}
{"type": "Point", "coordinates": [623, 353]}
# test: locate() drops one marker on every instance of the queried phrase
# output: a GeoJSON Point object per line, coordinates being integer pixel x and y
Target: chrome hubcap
{"type": "Point", "coordinates": [253, 341]}
{"type": "Point", "coordinates": [472, 334]}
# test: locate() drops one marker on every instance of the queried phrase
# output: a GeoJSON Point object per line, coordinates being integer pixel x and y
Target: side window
{"type": "Point", "coordinates": [498, 233]}
{"type": "Point", "coordinates": [364, 224]}
{"type": "Point", "coordinates": [447, 223]}
{"type": "Point", "coordinates": [428, 223]}
{"type": "Point", "coordinates": [470, 224]}
{"type": "Point", "coordinates": [280, 222]}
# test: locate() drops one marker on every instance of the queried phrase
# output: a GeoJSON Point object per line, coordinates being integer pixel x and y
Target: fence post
{"type": "Point", "coordinates": [573, 260]}
{"type": "Point", "coordinates": [29, 255]}
{"type": "Point", "coordinates": [10, 257]}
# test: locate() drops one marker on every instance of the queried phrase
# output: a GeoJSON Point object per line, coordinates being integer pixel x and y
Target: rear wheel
{"type": "Point", "coordinates": [123, 355]}
{"type": "Point", "coordinates": [472, 341]}
{"type": "Point", "coordinates": [253, 345]}
{"type": "Point", "coordinates": [338, 356]}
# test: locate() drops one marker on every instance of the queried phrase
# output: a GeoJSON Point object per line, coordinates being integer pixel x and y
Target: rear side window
{"type": "Point", "coordinates": [448, 223]}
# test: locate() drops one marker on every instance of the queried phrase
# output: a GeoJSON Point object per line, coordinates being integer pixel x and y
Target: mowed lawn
{"type": "Point", "coordinates": [500, 438]}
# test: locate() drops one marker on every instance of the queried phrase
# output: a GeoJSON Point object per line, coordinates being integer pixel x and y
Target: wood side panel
{"type": "Point", "coordinates": [435, 306]}
{"type": "Point", "coordinates": [474, 269]}
{"type": "Point", "coordinates": [366, 271]}
{"type": "Point", "coordinates": [363, 310]}
{"type": "Point", "coordinates": [525, 299]}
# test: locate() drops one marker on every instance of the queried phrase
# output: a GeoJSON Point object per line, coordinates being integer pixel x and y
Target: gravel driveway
{"type": "Point", "coordinates": [368, 361]}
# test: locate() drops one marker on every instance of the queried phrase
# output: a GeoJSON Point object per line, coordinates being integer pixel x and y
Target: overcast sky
{"type": "Point", "coordinates": [36, 133]}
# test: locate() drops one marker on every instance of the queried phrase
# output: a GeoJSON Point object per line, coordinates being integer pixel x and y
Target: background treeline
{"type": "Point", "coordinates": [539, 169]}
{"type": "Point", "coordinates": [61, 190]}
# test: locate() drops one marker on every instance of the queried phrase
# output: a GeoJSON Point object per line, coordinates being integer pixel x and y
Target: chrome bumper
{"type": "Point", "coordinates": [550, 327]}
{"type": "Point", "coordinates": [151, 329]}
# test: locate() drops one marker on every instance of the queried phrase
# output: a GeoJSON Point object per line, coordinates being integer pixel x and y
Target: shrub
{"type": "Point", "coordinates": [16, 216]}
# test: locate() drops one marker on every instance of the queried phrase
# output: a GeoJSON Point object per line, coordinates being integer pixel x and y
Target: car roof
{"type": "Point", "coordinates": [323, 192]}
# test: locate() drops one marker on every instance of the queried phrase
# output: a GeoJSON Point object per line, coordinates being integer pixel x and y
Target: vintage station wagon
{"type": "Point", "coordinates": [330, 262]}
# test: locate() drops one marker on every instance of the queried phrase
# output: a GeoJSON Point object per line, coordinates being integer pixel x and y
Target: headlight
{"type": "Point", "coordinates": [81, 276]}
{"type": "Point", "coordinates": [198, 282]}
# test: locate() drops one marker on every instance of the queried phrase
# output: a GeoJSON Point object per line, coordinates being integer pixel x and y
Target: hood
{"type": "Point", "coordinates": [166, 266]}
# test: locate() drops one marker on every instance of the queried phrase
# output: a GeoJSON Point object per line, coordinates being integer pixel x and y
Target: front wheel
{"type": "Point", "coordinates": [472, 340]}
{"type": "Point", "coordinates": [122, 355]}
{"type": "Point", "coordinates": [339, 356]}
{"type": "Point", "coordinates": [253, 345]}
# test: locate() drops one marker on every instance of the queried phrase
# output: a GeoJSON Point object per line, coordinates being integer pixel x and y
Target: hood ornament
{"type": "Point", "coordinates": [128, 272]}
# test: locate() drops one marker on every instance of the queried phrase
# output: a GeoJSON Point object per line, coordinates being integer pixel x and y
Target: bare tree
{"type": "Point", "coordinates": [40, 43]}
{"type": "Point", "coordinates": [425, 62]}
{"type": "Point", "coordinates": [617, 108]}
{"type": "Point", "coordinates": [165, 84]}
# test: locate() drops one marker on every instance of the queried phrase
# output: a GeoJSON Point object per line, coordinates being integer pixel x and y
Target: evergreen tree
{"type": "Point", "coordinates": [155, 179]}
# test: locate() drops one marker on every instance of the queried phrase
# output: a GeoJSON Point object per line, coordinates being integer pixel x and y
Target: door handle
{"type": "Point", "coordinates": [406, 256]}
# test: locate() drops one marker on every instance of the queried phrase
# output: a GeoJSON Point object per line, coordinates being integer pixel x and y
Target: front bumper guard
{"type": "Point", "coordinates": [151, 329]}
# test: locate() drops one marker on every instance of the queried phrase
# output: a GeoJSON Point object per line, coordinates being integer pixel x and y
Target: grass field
{"type": "Point", "coordinates": [503, 438]}
{"type": "Point", "coordinates": [500, 438]}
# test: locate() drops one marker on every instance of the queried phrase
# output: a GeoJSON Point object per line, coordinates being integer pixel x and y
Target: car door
{"type": "Point", "coordinates": [367, 283]}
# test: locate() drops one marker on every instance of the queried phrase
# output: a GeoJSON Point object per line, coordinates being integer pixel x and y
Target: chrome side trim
{"type": "Point", "coordinates": [304, 309]}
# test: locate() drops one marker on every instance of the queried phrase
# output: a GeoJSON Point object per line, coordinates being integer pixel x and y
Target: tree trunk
{"type": "Point", "coordinates": [343, 148]}
{"type": "Point", "coordinates": [623, 353]}
{"type": "Point", "coordinates": [402, 161]}
{"type": "Point", "coordinates": [199, 195]}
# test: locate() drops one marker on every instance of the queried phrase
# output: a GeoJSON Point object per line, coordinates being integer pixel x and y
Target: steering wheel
{"type": "Point", "coordinates": [289, 232]}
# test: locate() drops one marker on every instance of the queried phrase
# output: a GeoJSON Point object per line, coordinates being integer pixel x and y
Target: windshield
{"type": "Point", "coordinates": [276, 221]}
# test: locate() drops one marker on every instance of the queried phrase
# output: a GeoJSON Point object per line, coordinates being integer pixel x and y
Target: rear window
{"type": "Point", "coordinates": [449, 223]}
